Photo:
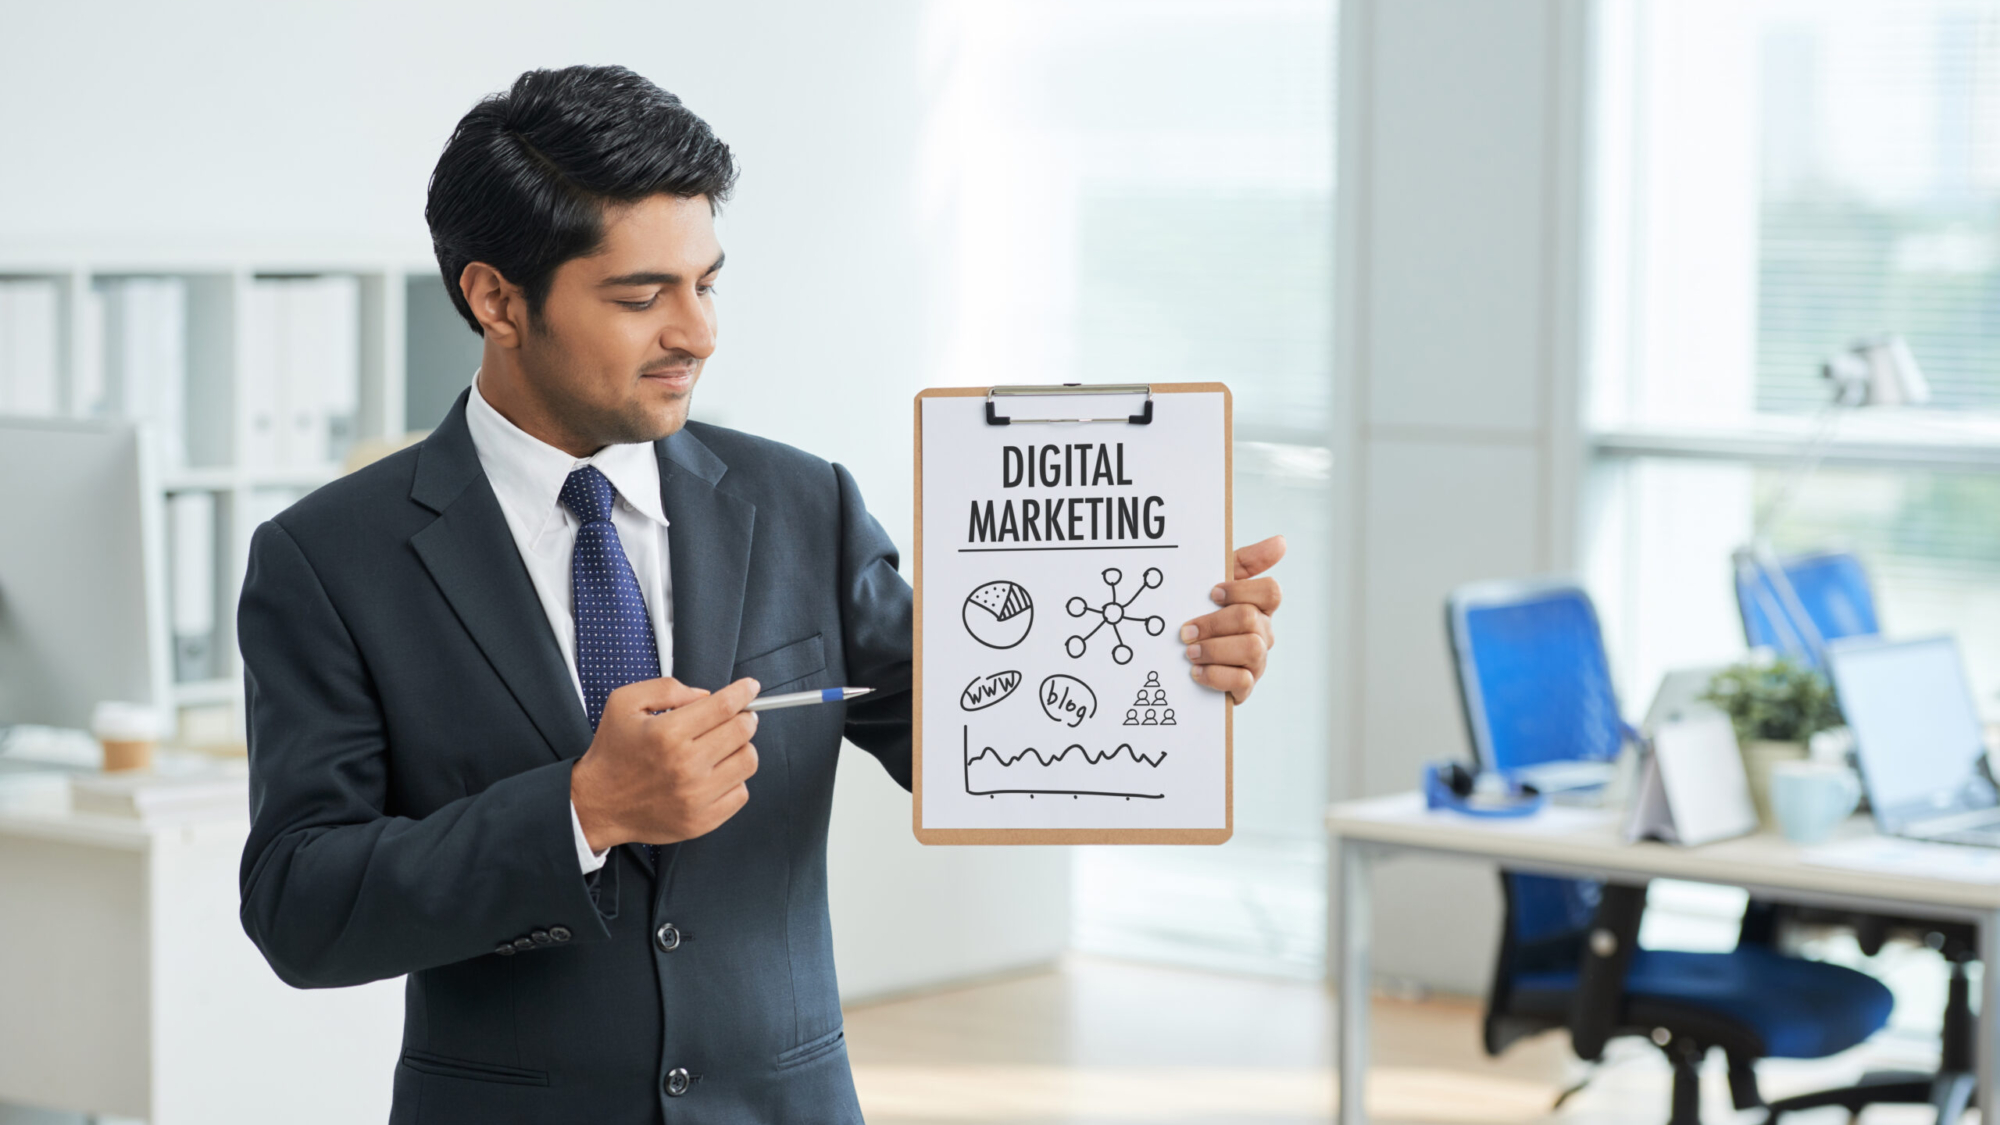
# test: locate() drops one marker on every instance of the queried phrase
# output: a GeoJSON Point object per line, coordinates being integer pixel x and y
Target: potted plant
{"type": "Point", "coordinates": [1776, 707]}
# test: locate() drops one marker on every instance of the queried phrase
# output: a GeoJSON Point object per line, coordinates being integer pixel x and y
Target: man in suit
{"type": "Point", "coordinates": [496, 682]}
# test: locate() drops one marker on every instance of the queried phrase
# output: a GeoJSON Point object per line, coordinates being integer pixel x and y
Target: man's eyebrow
{"type": "Point", "coordinates": [653, 277]}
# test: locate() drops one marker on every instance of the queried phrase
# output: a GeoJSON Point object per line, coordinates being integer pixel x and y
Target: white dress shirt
{"type": "Point", "coordinates": [527, 475]}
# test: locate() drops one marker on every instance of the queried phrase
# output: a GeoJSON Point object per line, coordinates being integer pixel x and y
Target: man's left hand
{"type": "Point", "coordinates": [1228, 647]}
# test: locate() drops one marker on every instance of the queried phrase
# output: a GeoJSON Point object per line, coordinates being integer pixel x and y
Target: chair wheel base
{"type": "Point", "coordinates": [1949, 1093]}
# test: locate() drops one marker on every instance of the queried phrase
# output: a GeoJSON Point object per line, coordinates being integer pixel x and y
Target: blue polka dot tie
{"type": "Point", "coordinates": [614, 637]}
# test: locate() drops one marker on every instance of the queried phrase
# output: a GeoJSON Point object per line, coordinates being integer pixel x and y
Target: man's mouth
{"type": "Point", "coordinates": [671, 378]}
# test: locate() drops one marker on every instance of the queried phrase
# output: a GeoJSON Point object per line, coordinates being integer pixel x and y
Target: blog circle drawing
{"type": "Point", "coordinates": [999, 614]}
{"type": "Point", "coordinates": [1067, 700]}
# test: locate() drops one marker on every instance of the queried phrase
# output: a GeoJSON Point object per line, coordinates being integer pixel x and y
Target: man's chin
{"type": "Point", "coordinates": [659, 420]}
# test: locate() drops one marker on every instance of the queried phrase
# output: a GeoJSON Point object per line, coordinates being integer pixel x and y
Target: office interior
{"type": "Point", "coordinates": [1620, 297]}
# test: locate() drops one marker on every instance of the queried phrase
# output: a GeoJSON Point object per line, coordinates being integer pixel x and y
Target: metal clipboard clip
{"type": "Point", "coordinates": [1143, 418]}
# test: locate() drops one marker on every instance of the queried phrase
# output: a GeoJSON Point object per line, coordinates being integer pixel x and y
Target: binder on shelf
{"type": "Point", "coordinates": [192, 580]}
{"type": "Point", "coordinates": [145, 357]}
{"type": "Point", "coordinates": [324, 374]}
{"type": "Point", "coordinates": [30, 328]}
{"type": "Point", "coordinates": [263, 372]}
{"type": "Point", "coordinates": [87, 397]}
{"type": "Point", "coordinates": [302, 391]}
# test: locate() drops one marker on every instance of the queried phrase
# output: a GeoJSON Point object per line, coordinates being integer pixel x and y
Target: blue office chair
{"type": "Point", "coordinates": [1536, 687]}
{"type": "Point", "coordinates": [1832, 589]}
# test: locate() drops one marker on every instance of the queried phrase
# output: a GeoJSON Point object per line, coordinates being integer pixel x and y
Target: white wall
{"type": "Point", "coordinates": [260, 128]}
{"type": "Point", "coordinates": [243, 125]}
{"type": "Point", "coordinates": [1457, 358]}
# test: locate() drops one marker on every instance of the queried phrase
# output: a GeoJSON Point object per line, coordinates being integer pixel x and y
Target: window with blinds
{"type": "Point", "coordinates": [1788, 176]}
{"type": "Point", "coordinates": [1879, 206]}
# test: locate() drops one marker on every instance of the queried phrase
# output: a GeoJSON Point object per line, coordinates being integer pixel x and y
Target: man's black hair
{"type": "Point", "coordinates": [526, 177]}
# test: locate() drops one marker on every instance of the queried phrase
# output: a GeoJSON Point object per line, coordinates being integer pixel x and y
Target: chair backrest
{"type": "Point", "coordinates": [1833, 589]}
{"type": "Point", "coordinates": [1535, 687]}
{"type": "Point", "coordinates": [1532, 674]}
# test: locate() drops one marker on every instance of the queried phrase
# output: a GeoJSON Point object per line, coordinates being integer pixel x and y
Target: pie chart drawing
{"type": "Point", "coordinates": [998, 614]}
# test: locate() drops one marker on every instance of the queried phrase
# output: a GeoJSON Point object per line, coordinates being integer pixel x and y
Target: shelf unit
{"type": "Point", "coordinates": [404, 312]}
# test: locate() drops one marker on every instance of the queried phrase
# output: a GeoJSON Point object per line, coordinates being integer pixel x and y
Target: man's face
{"type": "Point", "coordinates": [623, 335]}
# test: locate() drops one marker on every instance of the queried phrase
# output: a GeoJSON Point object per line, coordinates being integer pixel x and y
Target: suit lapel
{"type": "Point", "coordinates": [472, 557]}
{"type": "Point", "coordinates": [708, 550]}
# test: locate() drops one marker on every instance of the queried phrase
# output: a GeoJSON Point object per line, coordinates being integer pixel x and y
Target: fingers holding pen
{"type": "Point", "coordinates": [710, 710]}
{"type": "Point", "coordinates": [723, 723]}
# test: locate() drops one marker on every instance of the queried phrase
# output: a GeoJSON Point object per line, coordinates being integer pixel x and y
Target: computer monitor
{"type": "Point", "coordinates": [82, 586]}
{"type": "Point", "coordinates": [1916, 731]}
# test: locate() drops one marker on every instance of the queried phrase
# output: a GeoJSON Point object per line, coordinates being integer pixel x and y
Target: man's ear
{"type": "Point", "coordinates": [498, 304]}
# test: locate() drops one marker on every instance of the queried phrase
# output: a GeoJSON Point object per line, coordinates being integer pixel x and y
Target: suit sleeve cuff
{"type": "Point", "coordinates": [585, 858]}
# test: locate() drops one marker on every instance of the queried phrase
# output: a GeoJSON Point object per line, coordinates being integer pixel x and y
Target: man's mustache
{"type": "Point", "coordinates": [674, 363]}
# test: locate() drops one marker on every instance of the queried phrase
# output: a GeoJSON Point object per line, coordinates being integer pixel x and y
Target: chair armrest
{"type": "Point", "coordinates": [1600, 978]}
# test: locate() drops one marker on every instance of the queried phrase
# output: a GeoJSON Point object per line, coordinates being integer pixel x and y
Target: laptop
{"type": "Point", "coordinates": [1918, 738]}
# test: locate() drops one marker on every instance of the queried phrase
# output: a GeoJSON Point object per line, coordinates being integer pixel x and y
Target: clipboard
{"type": "Point", "coordinates": [1069, 662]}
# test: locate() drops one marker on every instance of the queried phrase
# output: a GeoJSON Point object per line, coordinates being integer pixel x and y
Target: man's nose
{"type": "Point", "coordinates": [692, 329]}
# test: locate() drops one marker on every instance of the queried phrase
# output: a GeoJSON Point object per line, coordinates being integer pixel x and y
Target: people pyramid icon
{"type": "Point", "coordinates": [1150, 708]}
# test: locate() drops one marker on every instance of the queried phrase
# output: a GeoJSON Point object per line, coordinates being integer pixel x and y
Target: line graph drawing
{"type": "Point", "coordinates": [1112, 613]}
{"type": "Point", "coordinates": [1074, 771]}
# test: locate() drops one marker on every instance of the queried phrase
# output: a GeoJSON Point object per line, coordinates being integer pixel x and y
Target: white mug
{"type": "Point", "coordinates": [1810, 798]}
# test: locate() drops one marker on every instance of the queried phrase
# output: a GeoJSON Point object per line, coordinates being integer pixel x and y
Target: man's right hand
{"type": "Point", "coordinates": [668, 764]}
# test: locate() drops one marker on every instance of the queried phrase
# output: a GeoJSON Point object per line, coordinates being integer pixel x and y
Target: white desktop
{"type": "Point", "coordinates": [82, 590]}
{"type": "Point", "coordinates": [127, 985]}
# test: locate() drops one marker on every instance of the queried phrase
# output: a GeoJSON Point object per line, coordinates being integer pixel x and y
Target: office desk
{"type": "Point", "coordinates": [1586, 844]}
{"type": "Point", "coordinates": [127, 986]}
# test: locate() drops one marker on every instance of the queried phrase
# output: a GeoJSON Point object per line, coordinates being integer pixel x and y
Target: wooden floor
{"type": "Point", "coordinates": [1105, 1041]}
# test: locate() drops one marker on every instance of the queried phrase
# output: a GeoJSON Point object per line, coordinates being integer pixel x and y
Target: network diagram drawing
{"type": "Point", "coordinates": [1112, 613]}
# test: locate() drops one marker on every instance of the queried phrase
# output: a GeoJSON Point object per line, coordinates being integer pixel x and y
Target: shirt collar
{"type": "Point", "coordinates": [634, 470]}
{"type": "Point", "coordinates": [528, 473]}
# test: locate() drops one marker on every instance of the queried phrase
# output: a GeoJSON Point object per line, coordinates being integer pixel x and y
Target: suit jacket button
{"type": "Point", "coordinates": [541, 937]}
{"type": "Point", "coordinates": [667, 937]}
{"type": "Point", "coordinates": [522, 945]}
{"type": "Point", "coordinates": [504, 949]}
{"type": "Point", "coordinates": [560, 933]}
{"type": "Point", "coordinates": [677, 1082]}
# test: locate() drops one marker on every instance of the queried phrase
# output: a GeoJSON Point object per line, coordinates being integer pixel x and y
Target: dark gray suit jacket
{"type": "Point", "coordinates": [412, 728]}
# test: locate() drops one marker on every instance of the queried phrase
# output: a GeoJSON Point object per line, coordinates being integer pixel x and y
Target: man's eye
{"type": "Point", "coordinates": [638, 306]}
{"type": "Point", "coordinates": [705, 290]}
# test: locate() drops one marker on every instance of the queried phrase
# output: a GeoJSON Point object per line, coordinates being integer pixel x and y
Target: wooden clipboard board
{"type": "Point", "coordinates": [1225, 569]}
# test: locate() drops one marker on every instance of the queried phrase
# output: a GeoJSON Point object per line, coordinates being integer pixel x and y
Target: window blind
{"type": "Point", "coordinates": [1879, 203]}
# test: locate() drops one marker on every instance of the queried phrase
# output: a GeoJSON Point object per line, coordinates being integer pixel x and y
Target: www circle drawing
{"type": "Point", "coordinates": [1112, 613]}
